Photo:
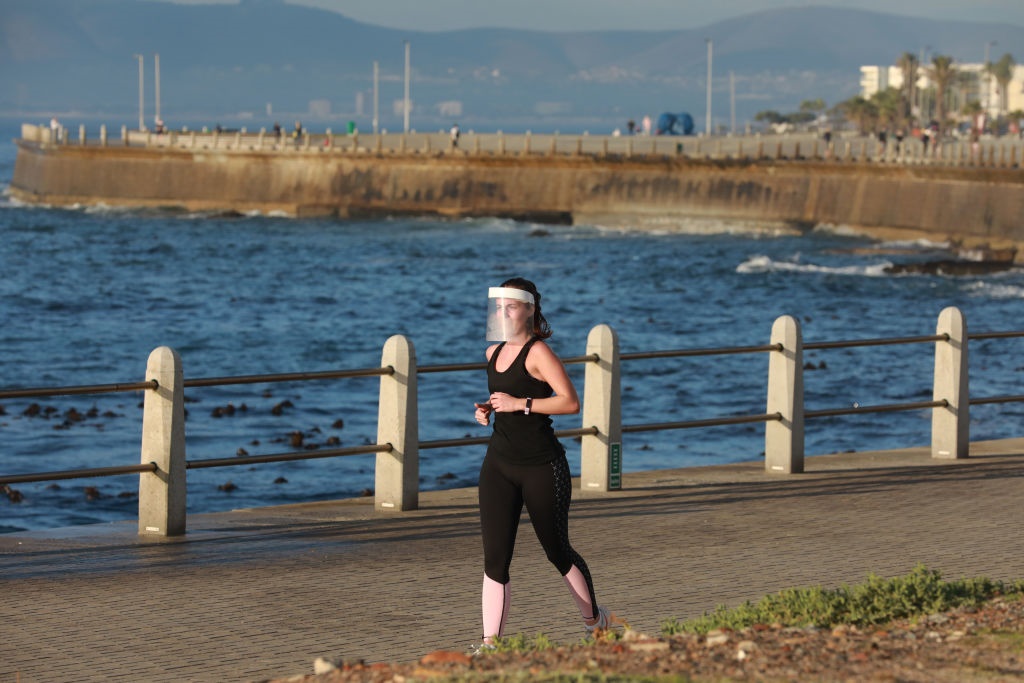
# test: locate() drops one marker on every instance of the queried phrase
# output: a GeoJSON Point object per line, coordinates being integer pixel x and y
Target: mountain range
{"type": "Point", "coordinates": [266, 60]}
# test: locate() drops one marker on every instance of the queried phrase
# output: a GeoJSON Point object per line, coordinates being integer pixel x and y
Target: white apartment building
{"type": "Point", "coordinates": [978, 86]}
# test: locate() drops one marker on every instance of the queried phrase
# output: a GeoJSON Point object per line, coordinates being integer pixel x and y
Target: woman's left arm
{"type": "Point", "coordinates": [543, 364]}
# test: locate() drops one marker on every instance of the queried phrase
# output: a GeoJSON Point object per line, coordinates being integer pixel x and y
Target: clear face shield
{"type": "Point", "coordinates": [509, 313]}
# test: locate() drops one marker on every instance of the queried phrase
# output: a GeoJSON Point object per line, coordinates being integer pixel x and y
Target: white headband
{"type": "Point", "coordinates": [510, 293]}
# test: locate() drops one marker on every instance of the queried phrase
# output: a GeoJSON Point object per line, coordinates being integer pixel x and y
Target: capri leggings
{"type": "Point", "coordinates": [546, 490]}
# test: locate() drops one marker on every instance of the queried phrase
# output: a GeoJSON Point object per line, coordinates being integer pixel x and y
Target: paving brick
{"type": "Point", "coordinates": [253, 594]}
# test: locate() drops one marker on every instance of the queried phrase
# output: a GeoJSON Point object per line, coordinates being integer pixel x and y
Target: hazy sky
{"type": "Point", "coordinates": [580, 15]}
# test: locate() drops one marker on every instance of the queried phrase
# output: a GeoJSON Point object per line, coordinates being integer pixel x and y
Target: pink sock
{"type": "Point", "coordinates": [577, 584]}
{"type": "Point", "coordinates": [495, 602]}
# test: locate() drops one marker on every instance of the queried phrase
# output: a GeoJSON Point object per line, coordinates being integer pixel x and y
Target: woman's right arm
{"type": "Point", "coordinates": [483, 410]}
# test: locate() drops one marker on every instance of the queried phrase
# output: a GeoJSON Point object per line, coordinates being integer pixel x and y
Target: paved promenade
{"type": "Point", "coordinates": [256, 594]}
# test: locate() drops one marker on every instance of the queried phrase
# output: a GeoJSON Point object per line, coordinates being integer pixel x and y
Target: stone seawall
{"type": "Point", "coordinates": [971, 204]}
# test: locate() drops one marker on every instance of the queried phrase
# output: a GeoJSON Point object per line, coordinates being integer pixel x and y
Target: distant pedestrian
{"type": "Point", "coordinates": [454, 134]}
{"type": "Point", "coordinates": [55, 129]}
{"type": "Point", "coordinates": [525, 463]}
{"type": "Point", "coordinates": [277, 130]}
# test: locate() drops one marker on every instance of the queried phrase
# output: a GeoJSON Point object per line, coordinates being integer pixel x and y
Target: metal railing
{"type": "Point", "coordinates": [600, 433]}
{"type": "Point", "coordinates": [1006, 152]}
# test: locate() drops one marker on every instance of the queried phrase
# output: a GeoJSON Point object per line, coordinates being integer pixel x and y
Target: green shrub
{"type": "Point", "coordinates": [522, 643]}
{"type": "Point", "coordinates": [875, 601]}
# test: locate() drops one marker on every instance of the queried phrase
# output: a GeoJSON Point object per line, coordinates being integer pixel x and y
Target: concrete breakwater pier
{"type": "Point", "coordinates": [972, 196]}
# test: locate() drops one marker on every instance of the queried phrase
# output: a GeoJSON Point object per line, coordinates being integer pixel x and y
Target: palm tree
{"type": "Point", "coordinates": [887, 105]}
{"type": "Point", "coordinates": [941, 73]}
{"type": "Point", "coordinates": [861, 111]}
{"type": "Point", "coordinates": [1002, 71]}
{"type": "Point", "coordinates": [908, 64]}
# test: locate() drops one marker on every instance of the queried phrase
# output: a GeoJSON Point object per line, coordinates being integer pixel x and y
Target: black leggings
{"type": "Point", "coordinates": [547, 491]}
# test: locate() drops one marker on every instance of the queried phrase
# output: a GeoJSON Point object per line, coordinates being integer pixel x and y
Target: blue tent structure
{"type": "Point", "coordinates": [674, 124]}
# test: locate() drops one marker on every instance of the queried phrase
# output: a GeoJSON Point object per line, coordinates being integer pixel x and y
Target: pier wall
{"type": "Point", "coordinates": [971, 203]}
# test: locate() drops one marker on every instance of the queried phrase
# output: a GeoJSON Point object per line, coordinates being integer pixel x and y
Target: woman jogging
{"type": "Point", "coordinates": [525, 463]}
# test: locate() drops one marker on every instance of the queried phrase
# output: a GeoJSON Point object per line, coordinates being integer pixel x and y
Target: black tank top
{"type": "Point", "coordinates": [519, 438]}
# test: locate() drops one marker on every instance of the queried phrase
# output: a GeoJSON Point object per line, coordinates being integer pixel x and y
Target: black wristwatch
{"type": "Point", "coordinates": [529, 404]}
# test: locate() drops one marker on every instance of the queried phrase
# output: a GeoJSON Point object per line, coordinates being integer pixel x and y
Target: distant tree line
{"type": "Point", "coordinates": [950, 98]}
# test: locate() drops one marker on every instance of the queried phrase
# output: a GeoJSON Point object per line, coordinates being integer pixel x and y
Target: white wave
{"type": "Point", "coordinates": [100, 208]}
{"type": "Point", "coordinates": [766, 264]}
{"type": "Point", "coordinates": [686, 225]}
{"type": "Point", "coordinates": [995, 290]}
{"type": "Point", "coordinates": [844, 230]}
{"type": "Point", "coordinates": [920, 243]}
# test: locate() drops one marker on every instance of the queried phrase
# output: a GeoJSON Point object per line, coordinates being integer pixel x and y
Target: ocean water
{"type": "Point", "coordinates": [88, 293]}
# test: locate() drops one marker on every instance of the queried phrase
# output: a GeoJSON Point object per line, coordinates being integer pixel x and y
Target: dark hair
{"type": "Point", "coordinates": [541, 329]}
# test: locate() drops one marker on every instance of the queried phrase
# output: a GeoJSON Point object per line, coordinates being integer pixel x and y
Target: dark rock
{"type": "Point", "coordinates": [949, 267]}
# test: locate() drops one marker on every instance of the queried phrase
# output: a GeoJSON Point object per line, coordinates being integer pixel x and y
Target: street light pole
{"type": "Point", "coordinates": [142, 94]}
{"type": "Point", "coordinates": [732, 103]}
{"type": "Point", "coordinates": [376, 76]}
{"type": "Point", "coordinates": [407, 86]}
{"type": "Point", "coordinates": [156, 71]}
{"type": "Point", "coordinates": [707, 114]}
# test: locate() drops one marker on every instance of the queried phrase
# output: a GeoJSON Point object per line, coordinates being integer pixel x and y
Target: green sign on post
{"type": "Point", "coordinates": [615, 478]}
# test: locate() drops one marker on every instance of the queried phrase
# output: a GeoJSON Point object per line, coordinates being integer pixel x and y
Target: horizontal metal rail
{"type": "Point", "coordinates": [876, 342]}
{"type": "Point", "coordinates": [997, 399]}
{"type": "Point", "coordinates": [994, 335]}
{"type": "Point", "coordinates": [887, 408]}
{"type": "Point", "coordinates": [285, 457]}
{"type": "Point", "coordinates": [481, 440]}
{"type": "Point", "coordinates": [85, 389]}
{"type": "Point", "coordinates": [288, 377]}
{"type": "Point", "coordinates": [373, 372]}
{"type": "Point", "coordinates": [459, 367]}
{"type": "Point", "coordinates": [699, 352]}
{"type": "Point", "coordinates": [77, 474]}
{"type": "Point", "coordinates": [711, 422]}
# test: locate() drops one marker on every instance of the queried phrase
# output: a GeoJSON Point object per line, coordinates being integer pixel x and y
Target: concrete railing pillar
{"type": "Point", "coordinates": [784, 439]}
{"type": "Point", "coordinates": [601, 453]}
{"type": "Point", "coordinates": [951, 425]}
{"type": "Point", "coordinates": [398, 471]}
{"type": "Point", "coordinates": [162, 493]}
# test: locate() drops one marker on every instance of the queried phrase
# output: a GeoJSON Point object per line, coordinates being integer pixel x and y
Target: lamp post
{"type": "Point", "coordinates": [142, 94]}
{"type": "Point", "coordinates": [707, 113]}
{"type": "Point", "coordinates": [376, 76]}
{"type": "Point", "coordinates": [156, 73]}
{"type": "Point", "coordinates": [732, 103]}
{"type": "Point", "coordinates": [406, 107]}
{"type": "Point", "coordinates": [920, 92]}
